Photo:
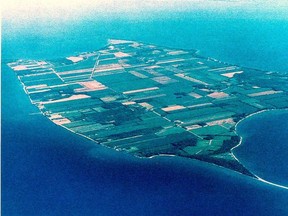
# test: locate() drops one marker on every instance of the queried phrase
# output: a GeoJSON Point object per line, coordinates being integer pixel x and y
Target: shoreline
{"type": "Point", "coordinates": [241, 140]}
{"type": "Point", "coordinates": [170, 155]}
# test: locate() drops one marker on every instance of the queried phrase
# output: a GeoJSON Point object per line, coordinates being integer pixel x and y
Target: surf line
{"type": "Point", "coordinates": [271, 183]}
{"type": "Point", "coordinates": [241, 140]}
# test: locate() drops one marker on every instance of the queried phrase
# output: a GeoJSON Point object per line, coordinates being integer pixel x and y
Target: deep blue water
{"type": "Point", "coordinates": [265, 145]}
{"type": "Point", "coordinates": [47, 170]}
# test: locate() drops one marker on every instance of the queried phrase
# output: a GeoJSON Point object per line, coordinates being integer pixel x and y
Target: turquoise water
{"type": "Point", "coordinates": [47, 170]}
{"type": "Point", "coordinates": [255, 43]}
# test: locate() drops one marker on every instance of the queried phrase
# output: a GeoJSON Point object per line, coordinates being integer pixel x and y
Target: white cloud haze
{"type": "Point", "coordinates": [67, 9]}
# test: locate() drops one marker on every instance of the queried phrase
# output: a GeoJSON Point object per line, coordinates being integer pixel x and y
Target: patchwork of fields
{"type": "Point", "coordinates": [149, 100]}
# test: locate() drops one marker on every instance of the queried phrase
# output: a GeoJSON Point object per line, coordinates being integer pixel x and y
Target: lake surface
{"type": "Point", "coordinates": [47, 170]}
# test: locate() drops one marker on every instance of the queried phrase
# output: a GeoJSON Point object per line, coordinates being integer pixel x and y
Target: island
{"type": "Point", "coordinates": [150, 100]}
